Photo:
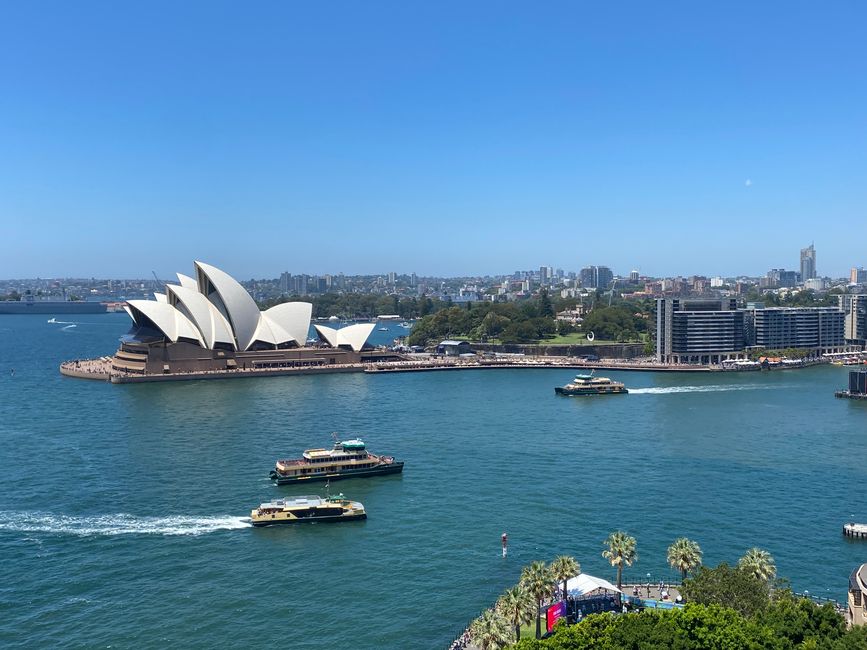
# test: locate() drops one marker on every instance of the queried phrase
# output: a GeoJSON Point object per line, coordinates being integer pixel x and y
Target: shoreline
{"type": "Point", "coordinates": [101, 369]}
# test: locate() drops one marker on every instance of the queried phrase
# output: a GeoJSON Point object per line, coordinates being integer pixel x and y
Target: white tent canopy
{"type": "Point", "coordinates": [584, 584]}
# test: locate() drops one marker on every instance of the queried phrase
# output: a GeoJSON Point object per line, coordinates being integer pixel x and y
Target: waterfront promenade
{"type": "Point", "coordinates": [100, 369]}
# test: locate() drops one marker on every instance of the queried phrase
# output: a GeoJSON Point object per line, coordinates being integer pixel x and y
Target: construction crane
{"type": "Point", "coordinates": [159, 283]}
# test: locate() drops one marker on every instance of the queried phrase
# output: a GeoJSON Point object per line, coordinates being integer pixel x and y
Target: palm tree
{"type": "Point", "coordinates": [684, 555]}
{"type": "Point", "coordinates": [760, 563]}
{"type": "Point", "coordinates": [563, 568]}
{"type": "Point", "coordinates": [620, 551]}
{"type": "Point", "coordinates": [517, 605]}
{"type": "Point", "coordinates": [490, 630]}
{"type": "Point", "coordinates": [536, 579]}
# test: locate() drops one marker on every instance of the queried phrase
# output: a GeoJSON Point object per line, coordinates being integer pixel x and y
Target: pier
{"type": "Point", "coordinates": [856, 531]}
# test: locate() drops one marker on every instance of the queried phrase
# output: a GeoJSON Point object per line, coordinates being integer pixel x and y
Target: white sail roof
{"type": "Point", "coordinates": [187, 281]}
{"type": "Point", "coordinates": [327, 334]}
{"type": "Point", "coordinates": [355, 336]}
{"type": "Point", "coordinates": [240, 308]}
{"type": "Point", "coordinates": [214, 308]}
{"type": "Point", "coordinates": [269, 331]}
{"type": "Point", "coordinates": [210, 322]}
{"type": "Point", "coordinates": [172, 323]}
{"type": "Point", "coordinates": [293, 317]}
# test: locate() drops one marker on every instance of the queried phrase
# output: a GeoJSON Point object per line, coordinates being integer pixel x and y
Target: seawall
{"type": "Point", "coordinates": [607, 351]}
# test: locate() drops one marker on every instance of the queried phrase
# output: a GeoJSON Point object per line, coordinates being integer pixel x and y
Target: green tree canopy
{"type": "Point", "coordinates": [729, 587]}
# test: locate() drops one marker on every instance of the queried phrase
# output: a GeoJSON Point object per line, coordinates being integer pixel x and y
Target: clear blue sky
{"type": "Point", "coordinates": [437, 137]}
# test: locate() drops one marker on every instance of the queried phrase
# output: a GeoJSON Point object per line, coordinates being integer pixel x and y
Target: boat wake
{"type": "Point", "coordinates": [117, 524]}
{"type": "Point", "coordinates": [69, 327]}
{"type": "Point", "coordinates": [699, 389]}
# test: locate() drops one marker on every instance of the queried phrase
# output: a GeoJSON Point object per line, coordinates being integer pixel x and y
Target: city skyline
{"type": "Point", "coordinates": [449, 140]}
{"type": "Point", "coordinates": [853, 272]}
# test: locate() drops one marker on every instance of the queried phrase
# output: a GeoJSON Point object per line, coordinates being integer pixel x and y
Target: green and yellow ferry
{"type": "Point", "coordinates": [307, 509]}
{"type": "Point", "coordinates": [590, 385]}
{"type": "Point", "coordinates": [347, 459]}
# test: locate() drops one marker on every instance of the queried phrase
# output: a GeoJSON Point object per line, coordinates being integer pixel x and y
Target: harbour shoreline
{"type": "Point", "coordinates": [100, 369]}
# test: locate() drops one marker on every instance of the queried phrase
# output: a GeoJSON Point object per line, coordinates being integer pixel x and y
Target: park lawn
{"type": "Point", "coordinates": [528, 630]}
{"type": "Point", "coordinates": [574, 338]}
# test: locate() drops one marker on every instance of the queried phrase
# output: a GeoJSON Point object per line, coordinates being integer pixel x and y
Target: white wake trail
{"type": "Point", "coordinates": [700, 389]}
{"type": "Point", "coordinates": [117, 524]}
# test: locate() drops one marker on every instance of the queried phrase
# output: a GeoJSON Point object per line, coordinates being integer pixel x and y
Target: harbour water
{"type": "Point", "coordinates": [122, 508]}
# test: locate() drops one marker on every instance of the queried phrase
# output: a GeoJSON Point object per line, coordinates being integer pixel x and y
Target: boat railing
{"type": "Point", "coordinates": [294, 462]}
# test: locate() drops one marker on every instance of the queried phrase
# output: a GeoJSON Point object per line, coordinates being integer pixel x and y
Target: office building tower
{"type": "Point", "coordinates": [596, 277]}
{"type": "Point", "coordinates": [808, 263]}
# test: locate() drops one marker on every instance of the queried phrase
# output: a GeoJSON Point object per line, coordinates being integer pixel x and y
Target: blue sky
{"type": "Point", "coordinates": [443, 138]}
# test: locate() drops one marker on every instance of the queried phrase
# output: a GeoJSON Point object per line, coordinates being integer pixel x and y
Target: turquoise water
{"type": "Point", "coordinates": [121, 509]}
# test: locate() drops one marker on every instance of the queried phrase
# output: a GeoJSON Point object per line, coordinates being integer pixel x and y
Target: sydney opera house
{"type": "Point", "coordinates": [209, 323]}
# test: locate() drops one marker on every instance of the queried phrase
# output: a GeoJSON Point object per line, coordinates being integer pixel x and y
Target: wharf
{"type": "Point", "coordinates": [847, 394]}
{"type": "Point", "coordinates": [856, 531]}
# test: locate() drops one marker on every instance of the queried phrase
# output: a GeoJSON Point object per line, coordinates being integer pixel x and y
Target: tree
{"type": "Point", "coordinates": [620, 551]}
{"type": "Point", "coordinates": [518, 606]}
{"type": "Point", "coordinates": [760, 563]}
{"type": "Point", "coordinates": [684, 555]}
{"type": "Point", "coordinates": [802, 621]}
{"type": "Point", "coordinates": [425, 306]}
{"type": "Point", "coordinates": [546, 309]}
{"type": "Point", "coordinates": [729, 587]}
{"type": "Point", "coordinates": [696, 627]}
{"type": "Point", "coordinates": [536, 579]}
{"type": "Point", "coordinates": [563, 568]}
{"type": "Point", "coordinates": [490, 630]}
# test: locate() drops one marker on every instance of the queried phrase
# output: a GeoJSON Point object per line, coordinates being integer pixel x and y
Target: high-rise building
{"type": "Point", "coordinates": [819, 329]}
{"type": "Point", "coordinates": [808, 263]}
{"type": "Point", "coordinates": [854, 307]}
{"type": "Point", "coordinates": [698, 331]}
{"type": "Point", "coordinates": [857, 276]}
{"type": "Point", "coordinates": [633, 276]}
{"type": "Point", "coordinates": [783, 278]}
{"type": "Point", "coordinates": [413, 280]}
{"type": "Point", "coordinates": [543, 275]}
{"type": "Point", "coordinates": [596, 277]}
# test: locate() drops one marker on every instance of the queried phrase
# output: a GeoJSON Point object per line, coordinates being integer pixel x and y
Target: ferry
{"type": "Point", "coordinates": [590, 385]}
{"type": "Point", "coordinates": [347, 459]}
{"type": "Point", "coordinates": [307, 509]}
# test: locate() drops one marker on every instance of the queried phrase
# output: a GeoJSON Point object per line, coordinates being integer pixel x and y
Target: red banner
{"type": "Point", "coordinates": [554, 613]}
